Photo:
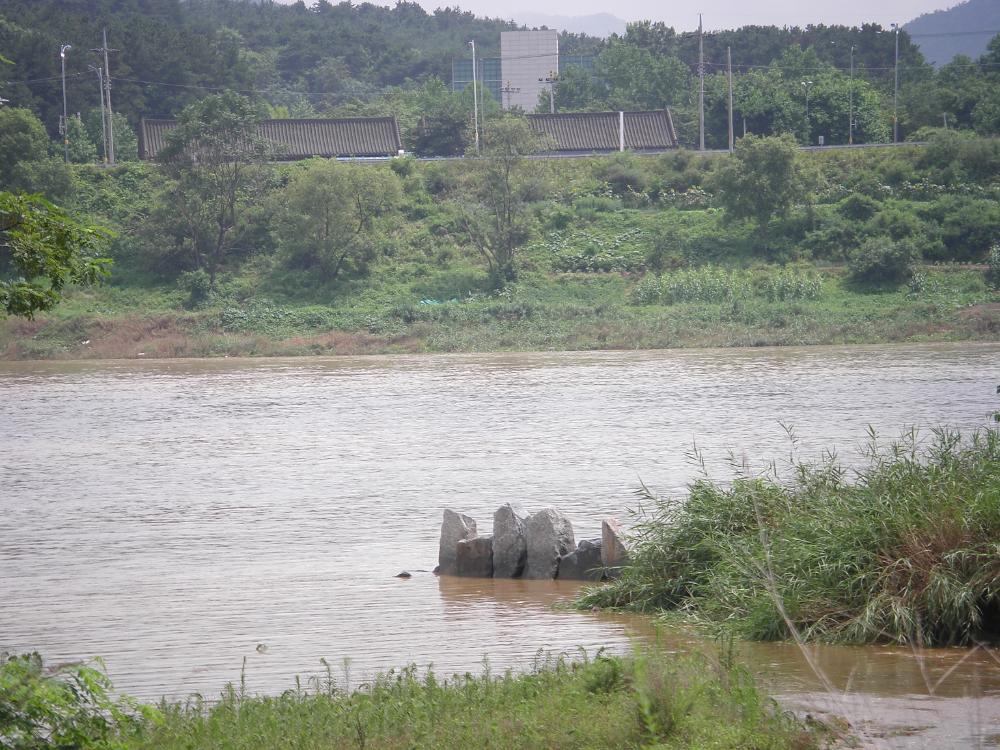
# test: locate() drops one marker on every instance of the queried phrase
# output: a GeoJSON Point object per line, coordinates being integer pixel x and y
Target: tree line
{"type": "Point", "coordinates": [346, 60]}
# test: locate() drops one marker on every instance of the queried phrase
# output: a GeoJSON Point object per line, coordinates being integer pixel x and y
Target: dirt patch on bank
{"type": "Point", "coordinates": [984, 319]}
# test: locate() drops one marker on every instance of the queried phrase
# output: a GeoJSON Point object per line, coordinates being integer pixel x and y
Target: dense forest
{"type": "Point", "coordinates": [344, 59]}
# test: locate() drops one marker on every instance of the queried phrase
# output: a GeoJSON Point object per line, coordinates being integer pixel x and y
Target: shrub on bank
{"type": "Point", "coordinates": [906, 553]}
{"type": "Point", "coordinates": [67, 706]}
{"type": "Point", "coordinates": [883, 262]}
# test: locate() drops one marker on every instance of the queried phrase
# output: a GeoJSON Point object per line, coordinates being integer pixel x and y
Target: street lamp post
{"type": "Point", "coordinates": [65, 122]}
{"type": "Point", "coordinates": [895, 89]}
{"type": "Point", "coordinates": [850, 94]}
{"type": "Point", "coordinates": [475, 95]}
{"type": "Point", "coordinates": [807, 84]}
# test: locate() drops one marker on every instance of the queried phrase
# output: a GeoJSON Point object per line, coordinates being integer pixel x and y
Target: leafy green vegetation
{"type": "Point", "coordinates": [608, 702]}
{"type": "Point", "coordinates": [67, 706]}
{"type": "Point", "coordinates": [42, 250]}
{"type": "Point", "coordinates": [904, 552]}
{"type": "Point", "coordinates": [509, 252]}
{"type": "Point", "coordinates": [647, 700]}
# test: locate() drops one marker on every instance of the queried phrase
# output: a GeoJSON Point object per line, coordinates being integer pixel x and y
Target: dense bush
{"type": "Point", "coordinates": [952, 156]}
{"type": "Point", "coordinates": [624, 173]}
{"type": "Point", "coordinates": [881, 261]}
{"type": "Point", "coordinates": [62, 708]}
{"type": "Point", "coordinates": [968, 226]}
{"type": "Point", "coordinates": [859, 207]}
{"type": "Point", "coordinates": [197, 285]}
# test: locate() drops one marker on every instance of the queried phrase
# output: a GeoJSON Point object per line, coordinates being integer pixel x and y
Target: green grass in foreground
{"type": "Point", "coordinates": [908, 551]}
{"type": "Point", "coordinates": [649, 701]}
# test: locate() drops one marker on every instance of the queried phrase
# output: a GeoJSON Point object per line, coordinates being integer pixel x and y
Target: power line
{"type": "Point", "coordinates": [39, 80]}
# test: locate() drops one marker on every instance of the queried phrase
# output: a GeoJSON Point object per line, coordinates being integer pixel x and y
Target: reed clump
{"type": "Point", "coordinates": [905, 549]}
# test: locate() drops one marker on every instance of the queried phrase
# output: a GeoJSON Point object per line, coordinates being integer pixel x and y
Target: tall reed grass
{"type": "Point", "coordinates": [651, 700]}
{"type": "Point", "coordinates": [906, 550]}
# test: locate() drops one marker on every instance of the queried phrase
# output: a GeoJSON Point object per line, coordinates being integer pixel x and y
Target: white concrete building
{"type": "Point", "coordinates": [527, 59]}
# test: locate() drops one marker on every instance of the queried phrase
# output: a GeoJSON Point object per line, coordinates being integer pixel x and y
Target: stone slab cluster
{"type": "Point", "coordinates": [540, 546]}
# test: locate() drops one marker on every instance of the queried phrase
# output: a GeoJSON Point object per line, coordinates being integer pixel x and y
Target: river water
{"type": "Point", "coordinates": [179, 517]}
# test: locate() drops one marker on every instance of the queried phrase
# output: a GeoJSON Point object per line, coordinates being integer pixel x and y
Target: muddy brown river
{"type": "Point", "coordinates": [172, 516]}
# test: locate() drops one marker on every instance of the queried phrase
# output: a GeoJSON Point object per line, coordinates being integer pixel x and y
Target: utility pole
{"type": "Point", "coordinates": [507, 90]}
{"type": "Point", "coordinates": [551, 80]}
{"type": "Point", "coordinates": [103, 49]}
{"type": "Point", "coordinates": [729, 72]}
{"type": "Point", "coordinates": [104, 123]}
{"type": "Point", "coordinates": [850, 95]}
{"type": "Point", "coordinates": [701, 87]}
{"type": "Point", "coordinates": [65, 120]}
{"type": "Point", "coordinates": [895, 90]}
{"type": "Point", "coordinates": [475, 96]}
{"type": "Point", "coordinates": [807, 85]}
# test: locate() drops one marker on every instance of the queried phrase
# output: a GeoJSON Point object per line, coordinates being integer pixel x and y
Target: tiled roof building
{"type": "Point", "coordinates": [300, 139]}
{"type": "Point", "coordinates": [589, 132]}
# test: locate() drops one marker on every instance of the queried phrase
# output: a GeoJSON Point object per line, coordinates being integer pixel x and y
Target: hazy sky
{"type": "Point", "coordinates": [717, 13]}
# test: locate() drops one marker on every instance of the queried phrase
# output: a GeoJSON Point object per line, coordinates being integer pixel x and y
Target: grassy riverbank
{"type": "Point", "coordinates": [652, 700]}
{"type": "Point", "coordinates": [904, 552]}
{"type": "Point", "coordinates": [541, 312]}
{"type": "Point", "coordinates": [612, 252]}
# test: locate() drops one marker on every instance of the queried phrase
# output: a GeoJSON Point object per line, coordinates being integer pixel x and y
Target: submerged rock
{"type": "Point", "coordinates": [549, 537]}
{"type": "Point", "coordinates": [583, 563]}
{"type": "Point", "coordinates": [403, 574]}
{"type": "Point", "coordinates": [614, 554]}
{"type": "Point", "coordinates": [474, 557]}
{"type": "Point", "coordinates": [510, 544]}
{"type": "Point", "coordinates": [455, 528]}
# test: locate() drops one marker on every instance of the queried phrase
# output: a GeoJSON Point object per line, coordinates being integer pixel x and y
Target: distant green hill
{"type": "Point", "coordinates": [965, 29]}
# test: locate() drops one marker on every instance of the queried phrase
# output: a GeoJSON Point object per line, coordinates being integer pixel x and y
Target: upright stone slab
{"type": "Point", "coordinates": [583, 563]}
{"type": "Point", "coordinates": [614, 554]}
{"type": "Point", "coordinates": [510, 545]}
{"type": "Point", "coordinates": [474, 557]}
{"type": "Point", "coordinates": [549, 537]}
{"type": "Point", "coordinates": [454, 528]}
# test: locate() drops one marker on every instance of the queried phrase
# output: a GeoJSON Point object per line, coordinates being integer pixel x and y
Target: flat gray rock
{"type": "Point", "coordinates": [510, 543]}
{"type": "Point", "coordinates": [474, 557]}
{"type": "Point", "coordinates": [549, 537]}
{"type": "Point", "coordinates": [454, 528]}
{"type": "Point", "coordinates": [614, 553]}
{"type": "Point", "coordinates": [583, 563]}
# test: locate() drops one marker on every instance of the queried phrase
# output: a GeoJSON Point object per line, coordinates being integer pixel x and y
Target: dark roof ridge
{"type": "Point", "coordinates": [591, 114]}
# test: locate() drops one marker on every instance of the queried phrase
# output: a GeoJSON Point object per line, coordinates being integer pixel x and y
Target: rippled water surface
{"type": "Point", "coordinates": [171, 515]}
